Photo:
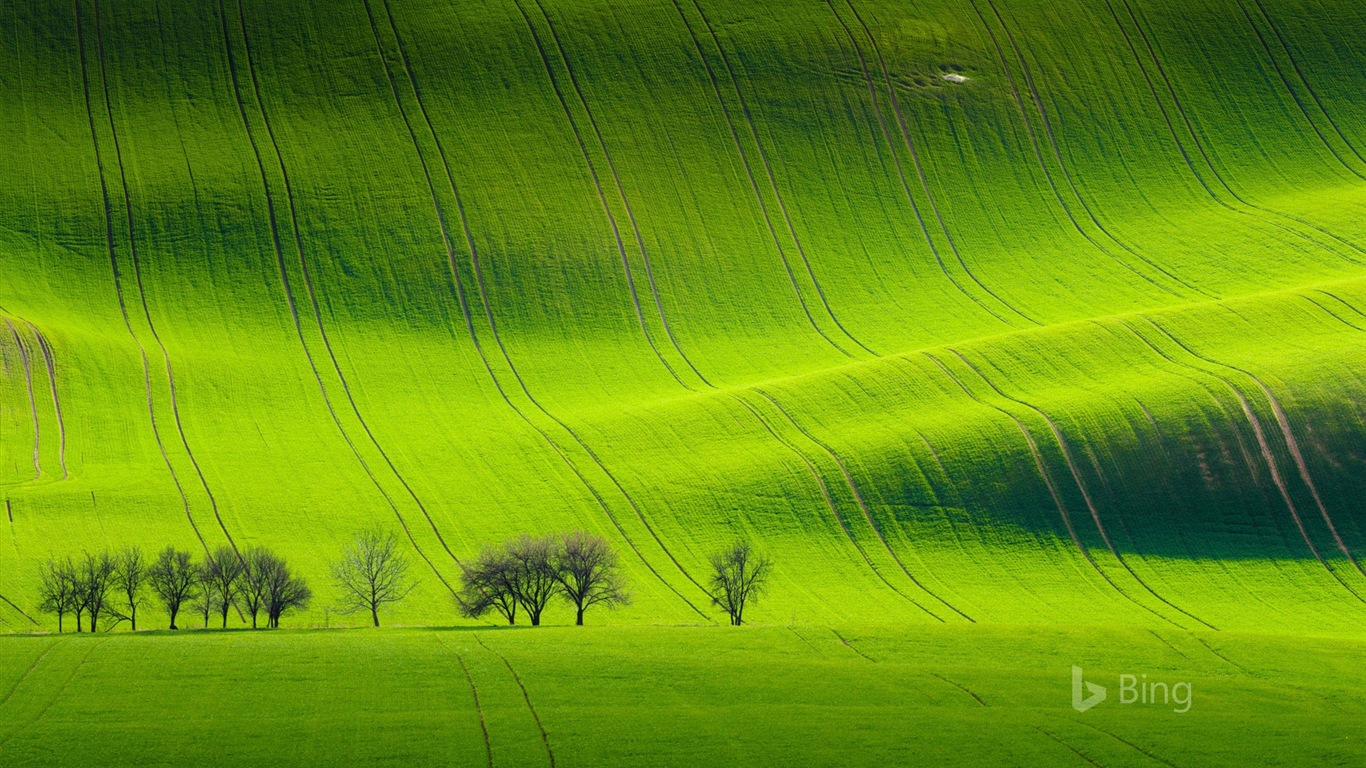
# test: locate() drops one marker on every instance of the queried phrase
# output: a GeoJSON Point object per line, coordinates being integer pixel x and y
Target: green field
{"type": "Point", "coordinates": [1021, 334]}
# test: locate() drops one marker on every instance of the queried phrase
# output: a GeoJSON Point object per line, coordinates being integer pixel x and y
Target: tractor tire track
{"type": "Point", "coordinates": [863, 506]}
{"type": "Point", "coordinates": [1127, 743]}
{"type": "Point", "coordinates": [1062, 164]}
{"type": "Point", "coordinates": [901, 173]}
{"type": "Point", "coordinates": [464, 303]}
{"type": "Point", "coordinates": [1070, 748]}
{"type": "Point", "coordinates": [851, 646]}
{"type": "Point", "coordinates": [960, 687]}
{"type": "Point", "coordinates": [768, 170]}
{"type": "Point", "coordinates": [32, 401]}
{"type": "Point", "coordinates": [478, 708]}
{"type": "Point", "coordinates": [1268, 215]}
{"type": "Point", "coordinates": [1085, 494]}
{"type": "Point", "coordinates": [137, 273]}
{"type": "Point", "coordinates": [834, 509]}
{"type": "Point", "coordinates": [1292, 444]}
{"type": "Point", "coordinates": [49, 362]}
{"type": "Point", "coordinates": [114, 265]}
{"type": "Point", "coordinates": [1052, 491]}
{"type": "Point", "coordinates": [232, 66]}
{"type": "Point", "coordinates": [56, 696]}
{"type": "Point", "coordinates": [1265, 447]}
{"type": "Point", "coordinates": [602, 198]}
{"type": "Point", "coordinates": [18, 610]}
{"type": "Point", "coordinates": [17, 683]}
{"type": "Point", "coordinates": [1299, 73]}
{"type": "Point", "coordinates": [545, 738]}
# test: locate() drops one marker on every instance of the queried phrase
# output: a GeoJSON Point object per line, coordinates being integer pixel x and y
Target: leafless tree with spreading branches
{"type": "Point", "coordinates": [174, 580]}
{"type": "Point", "coordinates": [739, 576]}
{"type": "Point", "coordinates": [487, 585]}
{"type": "Point", "coordinates": [586, 569]}
{"type": "Point", "coordinates": [223, 573]}
{"type": "Point", "coordinates": [95, 577]}
{"type": "Point", "coordinates": [58, 589]}
{"type": "Point", "coordinates": [130, 580]}
{"type": "Point", "coordinates": [372, 573]}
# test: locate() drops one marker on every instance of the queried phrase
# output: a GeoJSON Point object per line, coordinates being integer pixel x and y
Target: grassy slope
{"type": "Point", "coordinates": [1080, 336]}
{"type": "Point", "coordinates": [675, 696]}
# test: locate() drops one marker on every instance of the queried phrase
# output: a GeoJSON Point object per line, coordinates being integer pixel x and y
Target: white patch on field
{"type": "Point", "coordinates": [954, 77]}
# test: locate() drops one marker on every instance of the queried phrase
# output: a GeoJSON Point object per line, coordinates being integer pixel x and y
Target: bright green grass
{"type": "Point", "coordinates": [798, 695]}
{"type": "Point", "coordinates": [1078, 337]}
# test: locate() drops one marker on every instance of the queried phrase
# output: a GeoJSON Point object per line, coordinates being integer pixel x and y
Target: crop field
{"type": "Point", "coordinates": [1019, 334]}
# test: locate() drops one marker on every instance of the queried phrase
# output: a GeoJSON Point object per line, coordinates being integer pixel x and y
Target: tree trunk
{"type": "Point", "coordinates": [374, 614]}
{"type": "Point", "coordinates": [579, 617]}
{"type": "Point", "coordinates": [174, 611]}
{"type": "Point", "coordinates": [536, 619]}
{"type": "Point", "coordinates": [133, 618]}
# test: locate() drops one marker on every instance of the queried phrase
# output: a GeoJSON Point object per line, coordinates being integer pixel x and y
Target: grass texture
{"type": "Point", "coordinates": [973, 315]}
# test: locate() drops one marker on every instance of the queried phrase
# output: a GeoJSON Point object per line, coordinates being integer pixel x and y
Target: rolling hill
{"type": "Point", "coordinates": [1008, 312]}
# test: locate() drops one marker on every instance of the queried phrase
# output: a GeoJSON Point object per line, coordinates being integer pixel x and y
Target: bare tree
{"type": "Point", "coordinates": [224, 570]}
{"type": "Point", "coordinates": [130, 579]}
{"type": "Point", "coordinates": [57, 589]}
{"type": "Point", "coordinates": [372, 573]}
{"type": "Point", "coordinates": [95, 579]}
{"type": "Point", "coordinates": [534, 580]}
{"type": "Point", "coordinates": [488, 585]}
{"type": "Point", "coordinates": [586, 568]}
{"type": "Point", "coordinates": [739, 575]}
{"type": "Point", "coordinates": [251, 587]}
{"type": "Point", "coordinates": [175, 580]}
{"type": "Point", "coordinates": [284, 591]}
{"type": "Point", "coordinates": [205, 592]}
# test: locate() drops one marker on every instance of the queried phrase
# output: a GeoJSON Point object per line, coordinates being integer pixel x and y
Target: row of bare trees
{"type": "Point", "coordinates": [114, 585]}
{"type": "Point", "coordinates": [528, 571]}
{"type": "Point", "coordinates": [522, 575]}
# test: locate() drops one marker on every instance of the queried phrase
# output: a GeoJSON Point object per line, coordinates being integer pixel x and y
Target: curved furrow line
{"type": "Point", "coordinates": [118, 282]}
{"type": "Point", "coordinates": [1205, 153]}
{"type": "Point", "coordinates": [49, 360]}
{"type": "Point", "coordinates": [137, 274]}
{"type": "Point", "coordinates": [38, 660]}
{"type": "Point", "coordinates": [1299, 72]}
{"type": "Point", "coordinates": [1339, 300]}
{"type": "Point", "coordinates": [1291, 443]}
{"type": "Point", "coordinates": [1128, 743]}
{"type": "Point", "coordinates": [1081, 486]}
{"type": "Point", "coordinates": [1319, 305]}
{"type": "Point", "coordinates": [478, 708]}
{"type": "Point", "coordinates": [289, 293]}
{"type": "Point", "coordinates": [901, 173]}
{"type": "Point", "coordinates": [960, 687]}
{"type": "Point", "coordinates": [545, 737]}
{"type": "Point", "coordinates": [597, 182]}
{"type": "Point", "coordinates": [32, 401]}
{"type": "Point", "coordinates": [1052, 491]}
{"type": "Point", "coordinates": [834, 509]}
{"type": "Point", "coordinates": [312, 293]}
{"type": "Point", "coordinates": [1267, 455]}
{"type": "Point", "coordinates": [18, 610]}
{"type": "Point", "coordinates": [863, 506]}
{"type": "Point", "coordinates": [772, 180]}
{"type": "Point", "coordinates": [1070, 748]}
{"type": "Point", "coordinates": [1232, 574]}
{"type": "Point", "coordinates": [56, 696]}
{"type": "Point", "coordinates": [1062, 164]}
{"type": "Point", "coordinates": [626, 204]}
{"type": "Point", "coordinates": [920, 169]}
{"type": "Point", "coordinates": [463, 302]}
{"type": "Point", "coordinates": [851, 646]}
